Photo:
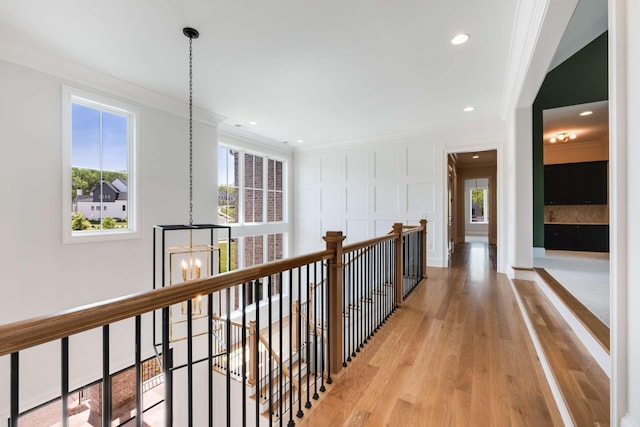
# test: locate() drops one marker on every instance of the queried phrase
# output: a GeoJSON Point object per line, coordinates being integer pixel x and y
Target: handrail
{"type": "Point", "coordinates": [410, 229]}
{"type": "Point", "coordinates": [23, 334]}
{"type": "Point", "coordinates": [366, 243]}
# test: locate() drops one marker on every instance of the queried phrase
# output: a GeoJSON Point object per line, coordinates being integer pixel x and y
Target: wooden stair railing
{"type": "Point", "coordinates": [18, 336]}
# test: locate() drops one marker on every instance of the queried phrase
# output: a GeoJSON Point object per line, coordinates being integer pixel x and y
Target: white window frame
{"type": "Point", "coordinates": [71, 95]}
{"type": "Point", "coordinates": [265, 193]}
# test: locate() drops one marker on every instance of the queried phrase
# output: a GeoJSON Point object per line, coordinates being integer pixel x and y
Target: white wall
{"type": "Point", "coordinates": [363, 187]}
{"type": "Point", "coordinates": [38, 273]}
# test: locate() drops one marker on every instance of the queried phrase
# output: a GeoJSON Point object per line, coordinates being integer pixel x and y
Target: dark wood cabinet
{"type": "Point", "coordinates": [577, 237]}
{"type": "Point", "coordinates": [576, 183]}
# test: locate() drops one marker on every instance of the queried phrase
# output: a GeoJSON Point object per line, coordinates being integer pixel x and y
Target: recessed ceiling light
{"type": "Point", "coordinates": [586, 113]}
{"type": "Point", "coordinates": [460, 38]}
{"type": "Point", "coordinates": [300, 141]}
{"type": "Point", "coordinates": [253, 123]}
{"type": "Point", "coordinates": [476, 156]}
{"type": "Point", "coordinates": [468, 109]}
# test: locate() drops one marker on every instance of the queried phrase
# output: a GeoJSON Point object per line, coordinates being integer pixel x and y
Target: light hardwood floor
{"type": "Point", "coordinates": [456, 354]}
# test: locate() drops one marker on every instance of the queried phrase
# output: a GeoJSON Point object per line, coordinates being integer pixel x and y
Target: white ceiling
{"type": "Point", "coordinates": [591, 128]}
{"type": "Point", "coordinates": [589, 20]}
{"type": "Point", "coordinates": [318, 71]}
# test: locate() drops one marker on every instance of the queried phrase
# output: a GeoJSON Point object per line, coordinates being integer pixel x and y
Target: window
{"type": "Point", "coordinates": [479, 213]}
{"type": "Point", "coordinates": [253, 188]}
{"type": "Point", "coordinates": [274, 191]}
{"type": "Point", "coordinates": [251, 195]}
{"type": "Point", "coordinates": [250, 188]}
{"type": "Point", "coordinates": [99, 161]}
{"type": "Point", "coordinates": [228, 181]}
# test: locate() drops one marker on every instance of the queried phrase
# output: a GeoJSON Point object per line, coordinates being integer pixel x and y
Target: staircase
{"type": "Point", "coordinates": [277, 382]}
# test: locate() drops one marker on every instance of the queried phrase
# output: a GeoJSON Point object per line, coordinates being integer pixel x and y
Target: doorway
{"type": "Point", "coordinates": [472, 199]}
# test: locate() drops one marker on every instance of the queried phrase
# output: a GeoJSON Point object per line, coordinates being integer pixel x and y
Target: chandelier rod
{"type": "Point", "coordinates": [191, 33]}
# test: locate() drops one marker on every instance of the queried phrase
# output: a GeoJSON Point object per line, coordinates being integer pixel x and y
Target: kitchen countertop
{"type": "Point", "coordinates": [576, 223]}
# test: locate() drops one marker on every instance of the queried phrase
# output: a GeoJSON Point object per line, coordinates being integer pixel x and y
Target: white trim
{"type": "Point", "coordinates": [134, 205]}
{"type": "Point", "coordinates": [464, 133]}
{"type": "Point", "coordinates": [227, 131]}
{"type": "Point", "coordinates": [618, 209]}
{"type": "Point", "coordinates": [90, 79]}
{"type": "Point", "coordinates": [546, 367]}
{"type": "Point", "coordinates": [627, 421]}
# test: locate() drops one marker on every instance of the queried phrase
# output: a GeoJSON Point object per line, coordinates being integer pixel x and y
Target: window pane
{"type": "Point", "coordinates": [478, 205]}
{"type": "Point", "coordinates": [227, 186]}
{"type": "Point", "coordinates": [279, 176]}
{"type": "Point", "coordinates": [99, 169]}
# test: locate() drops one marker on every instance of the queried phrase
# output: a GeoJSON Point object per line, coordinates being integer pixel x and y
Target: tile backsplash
{"type": "Point", "coordinates": [577, 214]}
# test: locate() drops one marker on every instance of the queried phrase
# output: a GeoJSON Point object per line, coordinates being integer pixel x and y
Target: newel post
{"type": "Point", "coordinates": [334, 241]}
{"type": "Point", "coordinates": [397, 230]}
{"type": "Point", "coordinates": [423, 247]}
{"type": "Point", "coordinates": [253, 353]}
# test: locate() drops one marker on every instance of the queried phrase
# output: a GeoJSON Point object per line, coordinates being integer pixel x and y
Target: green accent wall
{"type": "Point", "coordinates": [580, 79]}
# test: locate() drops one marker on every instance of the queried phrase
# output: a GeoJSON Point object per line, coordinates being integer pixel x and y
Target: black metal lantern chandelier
{"type": "Point", "coordinates": [185, 253]}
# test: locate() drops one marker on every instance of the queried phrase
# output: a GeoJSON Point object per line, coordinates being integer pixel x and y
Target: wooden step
{"type": "Point", "coordinates": [583, 385]}
{"type": "Point", "coordinates": [592, 324]}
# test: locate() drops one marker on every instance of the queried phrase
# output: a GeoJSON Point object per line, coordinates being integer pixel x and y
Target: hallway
{"type": "Point", "coordinates": [456, 353]}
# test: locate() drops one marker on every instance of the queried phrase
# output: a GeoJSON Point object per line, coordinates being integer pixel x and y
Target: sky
{"type": "Point", "coordinates": [225, 164]}
{"type": "Point", "coordinates": [85, 136]}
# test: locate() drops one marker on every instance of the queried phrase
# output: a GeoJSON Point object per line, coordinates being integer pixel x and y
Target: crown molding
{"type": "Point", "coordinates": [481, 131]}
{"type": "Point", "coordinates": [230, 134]}
{"type": "Point", "coordinates": [537, 31]}
{"type": "Point", "coordinates": [78, 75]}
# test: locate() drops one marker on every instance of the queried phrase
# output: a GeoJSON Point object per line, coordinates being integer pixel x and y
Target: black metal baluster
{"type": "Point", "coordinates": [138, 345]}
{"type": "Point", "coordinates": [64, 371]}
{"type": "Point", "coordinates": [323, 294]}
{"type": "Point", "coordinates": [256, 299]}
{"type": "Point", "coordinates": [281, 353]}
{"type": "Point", "coordinates": [270, 379]}
{"type": "Point", "coordinates": [345, 310]}
{"type": "Point", "coordinates": [106, 378]}
{"type": "Point", "coordinates": [228, 353]}
{"type": "Point", "coordinates": [166, 369]}
{"type": "Point", "coordinates": [190, 362]}
{"type": "Point", "coordinates": [15, 389]}
{"type": "Point", "coordinates": [315, 330]}
{"type": "Point", "coordinates": [330, 337]}
{"type": "Point", "coordinates": [210, 356]}
{"type": "Point", "coordinates": [307, 339]}
{"type": "Point", "coordinates": [244, 355]}
{"type": "Point", "coordinates": [356, 306]}
{"type": "Point", "coordinates": [361, 303]}
{"type": "Point", "coordinates": [349, 286]}
{"type": "Point", "coordinates": [299, 414]}
{"type": "Point", "coordinates": [291, 423]}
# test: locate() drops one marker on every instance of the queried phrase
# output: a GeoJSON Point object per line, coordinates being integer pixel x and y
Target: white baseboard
{"type": "Point", "coordinates": [627, 421]}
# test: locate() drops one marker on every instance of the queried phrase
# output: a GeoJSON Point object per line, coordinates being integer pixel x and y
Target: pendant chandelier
{"type": "Point", "coordinates": [185, 253]}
